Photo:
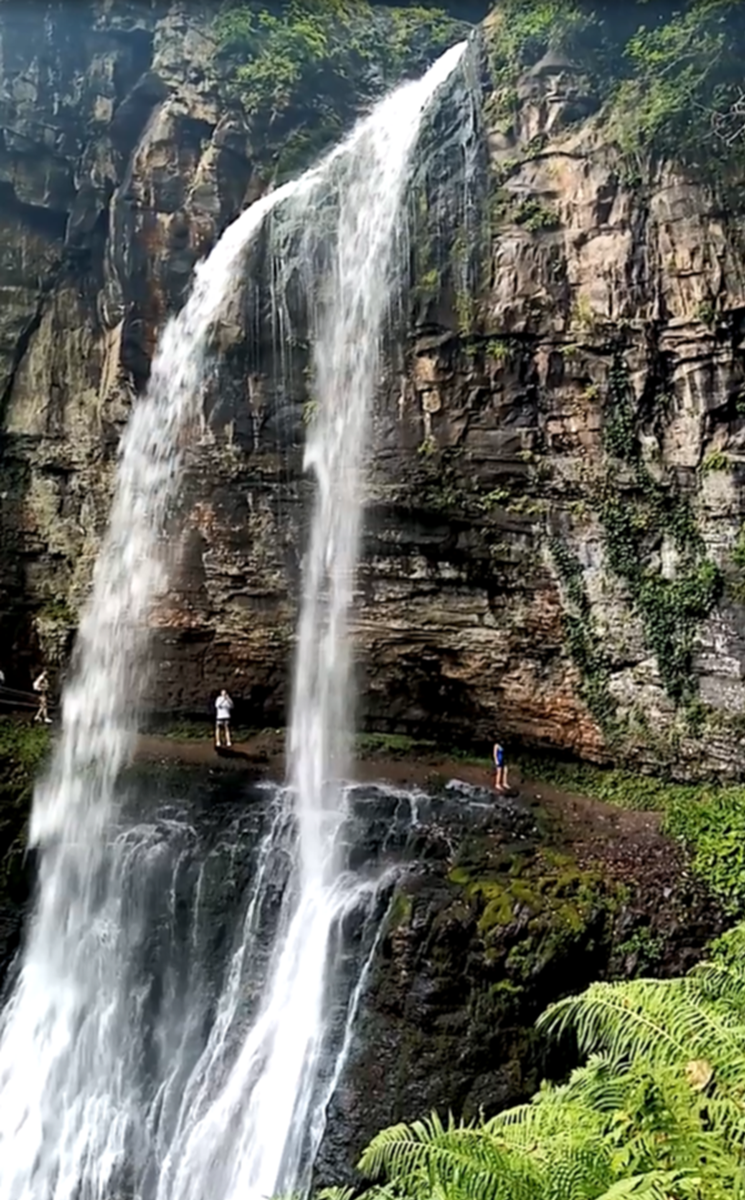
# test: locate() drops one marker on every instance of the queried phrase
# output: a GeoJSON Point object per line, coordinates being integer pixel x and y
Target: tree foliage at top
{"type": "Point", "coordinates": [657, 1111]}
{"type": "Point", "coordinates": [303, 69]}
{"type": "Point", "coordinates": [669, 71]}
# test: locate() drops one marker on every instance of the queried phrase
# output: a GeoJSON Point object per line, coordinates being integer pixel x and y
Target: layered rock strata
{"type": "Point", "coordinates": [554, 523]}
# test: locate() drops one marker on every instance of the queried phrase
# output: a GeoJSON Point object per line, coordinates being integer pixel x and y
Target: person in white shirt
{"type": "Point", "coordinates": [41, 686]}
{"type": "Point", "coordinates": [223, 709]}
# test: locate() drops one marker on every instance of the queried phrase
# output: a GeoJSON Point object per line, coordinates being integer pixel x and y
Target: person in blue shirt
{"type": "Point", "coordinates": [500, 768]}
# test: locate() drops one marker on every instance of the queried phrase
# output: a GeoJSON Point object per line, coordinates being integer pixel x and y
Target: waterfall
{"type": "Point", "coordinates": [85, 1108]}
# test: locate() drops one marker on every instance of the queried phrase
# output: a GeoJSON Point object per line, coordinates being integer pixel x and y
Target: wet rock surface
{"type": "Point", "coordinates": [505, 908]}
{"type": "Point", "coordinates": [501, 905]}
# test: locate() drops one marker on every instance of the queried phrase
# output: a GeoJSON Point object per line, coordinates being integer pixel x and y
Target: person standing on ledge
{"type": "Point", "coordinates": [223, 709]}
{"type": "Point", "coordinates": [500, 769]}
{"type": "Point", "coordinates": [41, 685]}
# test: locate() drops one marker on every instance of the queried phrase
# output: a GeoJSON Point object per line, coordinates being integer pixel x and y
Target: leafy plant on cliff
{"type": "Point", "coordinates": [582, 639]}
{"type": "Point", "coordinates": [636, 521]}
{"type": "Point", "coordinates": [670, 73]}
{"type": "Point", "coordinates": [656, 1111]}
{"type": "Point", "coordinates": [23, 748]}
{"type": "Point", "coordinates": [520, 32]}
{"type": "Point", "coordinates": [683, 80]}
{"type": "Point", "coordinates": [303, 69]}
{"type": "Point", "coordinates": [523, 30]}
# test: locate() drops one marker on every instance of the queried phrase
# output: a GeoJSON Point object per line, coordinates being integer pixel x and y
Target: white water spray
{"type": "Point", "coordinates": [74, 1123]}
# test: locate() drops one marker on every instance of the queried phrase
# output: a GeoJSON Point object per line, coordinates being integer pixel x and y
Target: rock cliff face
{"type": "Point", "coordinates": [503, 909]}
{"type": "Point", "coordinates": [554, 524]}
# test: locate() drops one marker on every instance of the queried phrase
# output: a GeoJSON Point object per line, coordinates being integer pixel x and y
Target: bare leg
{"type": "Point", "coordinates": [217, 735]}
{"type": "Point", "coordinates": [227, 736]}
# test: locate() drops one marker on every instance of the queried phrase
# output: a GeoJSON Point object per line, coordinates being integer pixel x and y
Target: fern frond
{"type": "Point", "coordinates": [335, 1193]}
{"type": "Point", "coordinates": [425, 1155]}
{"type": "Point", "coordinates": [655, 1185]}
{"type": "Point", "coordinates": [662, 1021]}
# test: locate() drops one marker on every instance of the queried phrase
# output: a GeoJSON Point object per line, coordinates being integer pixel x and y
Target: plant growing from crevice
{"type": "Point", "coordinates": [584, 645]}
{"type": "Point", "coordinates": [706, 313]}
{"type": "Point", "coordinates": [636, 521]}
{"type": "Point", "coordinates": [534, 216]}
{"type": "Point", "coordinates": [715, 460]}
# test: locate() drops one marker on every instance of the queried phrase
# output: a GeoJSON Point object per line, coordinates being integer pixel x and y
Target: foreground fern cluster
{"type": "Point", "coordinates": [657, 1111]}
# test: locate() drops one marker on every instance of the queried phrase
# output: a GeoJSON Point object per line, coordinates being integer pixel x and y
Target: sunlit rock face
{"type": "Point", "coordinates": [559, 422]}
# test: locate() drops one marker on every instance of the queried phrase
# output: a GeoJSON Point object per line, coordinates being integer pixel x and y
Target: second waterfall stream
{"type": "Point", "coordinates": [89, 1107]}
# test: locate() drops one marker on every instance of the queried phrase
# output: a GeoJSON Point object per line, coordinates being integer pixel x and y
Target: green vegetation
{"type": "Point", "coordinates": [655, 1112]}
{"type": "Point", "coordinates": [583, 316]}
{"type": "Point", "coordinates": [533, 215]}
{"type": "Point", "coordinates": [310, 409]}
{"type": "Point", "coordinates": [523, 30]}
{"type": "Point", "coordinates": [23, 749]}
{"type": "Point", "coordinates": [627, 789]}
{"type": "Point", "coordinates": [641, 519]}
{"type": "Point", "coordinates": [560, 899]}
{"type": "Point", "coordinates": [305, 68]}
{"type": "Point", "coordinates": [713, 826]}
{"type": "Point", "coordinates": [391, 745]}
{"type": "Point", "coordinates": [502, 349]}
{"type": "Point", "coordinates": [57, 612]}
{"type": "Point", "coordinates": [706, 313]}
{"type": "Point", "coordinates": [735, 584]}
{"type": "Point", "coordinates": [584, 644]}
{"type": "Point", "coordinates": [635, 522]}
{"type": "Point", "coordinates": [197, 731]}
{"type": "Point", "coordinates": [715, 460]}
{"type": "Point", "coordinates": [670, 72]}
{"type": "Point", "coordinates": [646, 946]}
{"type": "Point", "coordinates": [709, 820]}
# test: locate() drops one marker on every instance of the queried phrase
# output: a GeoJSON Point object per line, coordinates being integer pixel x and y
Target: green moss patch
{"type": "Point", "coordinates": [708, 819]}
{"type": "Point", "coordinates": [531, 907]}
{"type": "Point", "coordinates": [23, 750]}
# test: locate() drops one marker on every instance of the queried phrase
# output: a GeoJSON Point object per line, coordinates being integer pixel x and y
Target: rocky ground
{"type": "Point", "coordinates": [627, 844]}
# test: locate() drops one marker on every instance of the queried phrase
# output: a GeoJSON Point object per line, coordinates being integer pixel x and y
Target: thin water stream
{"type": "Point", "coordinates": [227, 1099]}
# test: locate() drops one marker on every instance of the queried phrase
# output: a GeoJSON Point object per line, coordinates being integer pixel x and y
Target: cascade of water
{"type": "Point", "coordinates": [244, 1113]}
{"type": "Point", "coordinates": [60, 1114]}
{"type": "Point", "coordinates": [270, 1092]}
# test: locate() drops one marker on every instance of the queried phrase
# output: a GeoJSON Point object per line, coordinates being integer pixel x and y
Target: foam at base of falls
{"type": "Point", "coordinates": [191, 900]}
